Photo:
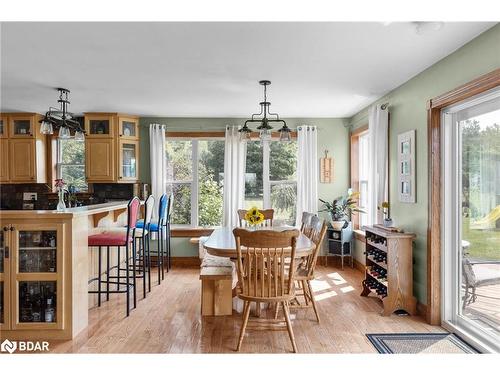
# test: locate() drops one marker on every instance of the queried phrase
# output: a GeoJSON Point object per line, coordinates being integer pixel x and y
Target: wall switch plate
{"type": "Point", "coordinates": [30, 196]}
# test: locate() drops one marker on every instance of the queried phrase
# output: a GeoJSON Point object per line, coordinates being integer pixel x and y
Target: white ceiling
{"type": "Point", "coordinates": [212, 69]}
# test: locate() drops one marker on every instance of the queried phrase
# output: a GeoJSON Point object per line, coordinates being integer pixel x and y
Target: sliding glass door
{"type": "Point", "coordinates": [471, 219]}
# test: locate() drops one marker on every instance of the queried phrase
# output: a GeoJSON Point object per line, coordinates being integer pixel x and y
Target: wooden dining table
{"type": "Point", "coordinates": [222, 243]}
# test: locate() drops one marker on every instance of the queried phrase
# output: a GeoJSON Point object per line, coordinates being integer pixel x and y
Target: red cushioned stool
{"type": "Point", "coordinates": [117, 240]}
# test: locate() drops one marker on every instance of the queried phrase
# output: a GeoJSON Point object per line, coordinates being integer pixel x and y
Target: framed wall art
{"type": "Point", "coordinates": [406, 167]}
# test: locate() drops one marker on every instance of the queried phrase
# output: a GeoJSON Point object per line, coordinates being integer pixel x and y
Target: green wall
{"type": "Point", "coordinates": [408, 110]}
{"type": "Point", "coordinates": [333, 135]}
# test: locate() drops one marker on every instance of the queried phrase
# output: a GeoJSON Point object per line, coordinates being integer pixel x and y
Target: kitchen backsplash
{"type": "Point", "coordinates": [17, 197]}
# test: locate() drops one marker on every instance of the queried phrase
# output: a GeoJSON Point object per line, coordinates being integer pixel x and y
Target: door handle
{"type": "Point", "coordinates": [6, 252]}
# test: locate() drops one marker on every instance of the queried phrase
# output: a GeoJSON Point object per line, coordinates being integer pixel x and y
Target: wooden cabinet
{"type": "Point", "coordinates": [22, 160]}
{"type": "Point", "coordinates": [22, 126]}
{"type": "Point", "coordinates": [100, 125]}
{"type": "Point", "coordinates": [31, 274]}
{"type": "Point", "coordinates": [389, 269]}
{"type": "Point", "coordinates": [100, 159]}
{"type": "Point", "coordinates": [4, 160]}
{"type": "Point", "coordinates": [128, 168]}
{"type": "Point", "coordinates": [4, 124]}
{"type": "Point", "coordinates": [22, 149]}
{"type": "Point", "coordinates": [112, 147]}
{"type": "Point", "coordinates": [4, 279]}
{"type": "Point", "coordinates": [128, 128]}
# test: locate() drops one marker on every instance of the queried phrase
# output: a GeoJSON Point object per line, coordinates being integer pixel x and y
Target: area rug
{"type": "Point", "coordinates": [419, 343]}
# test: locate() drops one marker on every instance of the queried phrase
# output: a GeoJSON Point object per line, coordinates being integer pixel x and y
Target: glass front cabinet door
{"type": "Point", "coordinates": [128, 128]}
{"type": "Point", "coordinates": [22, 126]}
{"type": "Point", "coordinates": [128, 157]}
{"type": "Point", "coordinates": [101, 125]}
{"type": "Point", "coordinates": [4, 278]}
{"type": "Point", "coordinates": [36, 276]}
{"type": "Point", "coordinates": [3, 127]}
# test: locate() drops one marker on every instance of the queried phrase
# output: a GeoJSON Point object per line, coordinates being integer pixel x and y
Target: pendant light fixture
{"type": "Point", "coordinates": [265, 129]}
{"type": "Point", "coordinates": [61, 119]}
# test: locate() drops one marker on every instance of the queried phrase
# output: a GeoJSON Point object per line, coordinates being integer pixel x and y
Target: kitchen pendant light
{"type": "Point", "coordinates": [265, 129]}
{"type": "Point", "coordinates": [61, 119]}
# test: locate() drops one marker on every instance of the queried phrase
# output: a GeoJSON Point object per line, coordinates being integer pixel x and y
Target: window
{"type": "Point", "coordinates": [195, 177]}
{"type": "Point", "coordinates": [271, 178]}
{"type": "Point", "coordinates": [360, 140]}
{"type": "Point", "coordinates": [363, 178]}
{"type": "Point", "coordinates": [71, 162]}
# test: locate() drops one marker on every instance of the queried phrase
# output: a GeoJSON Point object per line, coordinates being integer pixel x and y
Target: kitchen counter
{"type": "Point", "coordinates": [63, 270]}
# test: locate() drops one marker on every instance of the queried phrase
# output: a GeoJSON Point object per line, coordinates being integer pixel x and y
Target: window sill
{"type": "Point", "coordinates": [359, 235]}
{"type": "Point", "coordinates": [191, 232]}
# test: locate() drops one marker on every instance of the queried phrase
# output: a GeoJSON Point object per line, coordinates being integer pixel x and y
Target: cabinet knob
{"type": "Point", "coordinates": [5, 229]}
{"type": "Point", "coordinates": [12, 228]}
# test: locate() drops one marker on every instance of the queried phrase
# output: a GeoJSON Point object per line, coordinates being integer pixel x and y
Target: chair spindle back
{"type": "Point", "coordinates": [261, 266]}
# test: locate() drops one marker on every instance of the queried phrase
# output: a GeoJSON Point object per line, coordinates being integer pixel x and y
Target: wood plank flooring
{"type": "Point", "coordinates": [169, 321]}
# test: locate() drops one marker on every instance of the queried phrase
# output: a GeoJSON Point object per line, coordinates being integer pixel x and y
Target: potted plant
{"type": "Point", "coordinates": [385, 209]}
{"type": "Point", "coordinates": [341, 209]}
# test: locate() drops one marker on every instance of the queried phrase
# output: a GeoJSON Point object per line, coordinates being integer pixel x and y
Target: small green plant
{"type": "Point", "coordinates": [342, 208]}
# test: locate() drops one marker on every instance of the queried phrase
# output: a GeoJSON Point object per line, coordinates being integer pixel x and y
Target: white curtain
{"type": "Point", "coordinates": [234, 176]}
{"type": "Point", "coordinates": [158, 162]}
{"type": "Point", "coordinates": [378, 128]}
{"type": "Point", "coordinates": [307, 171]}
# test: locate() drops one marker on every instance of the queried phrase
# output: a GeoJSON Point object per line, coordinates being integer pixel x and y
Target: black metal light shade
{"type": "Point", "coordinates": [265, 128]}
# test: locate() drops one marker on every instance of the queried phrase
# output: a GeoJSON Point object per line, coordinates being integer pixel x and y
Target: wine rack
{"type": "Point", "coordinates": [389, 269]}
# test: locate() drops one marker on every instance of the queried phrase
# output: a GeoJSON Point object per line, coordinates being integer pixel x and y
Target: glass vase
{"type": "Point", "coordinates": [61, 206]}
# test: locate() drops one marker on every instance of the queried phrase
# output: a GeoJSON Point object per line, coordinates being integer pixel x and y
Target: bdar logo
{"type": "Point", "coordinates": [8, 346]}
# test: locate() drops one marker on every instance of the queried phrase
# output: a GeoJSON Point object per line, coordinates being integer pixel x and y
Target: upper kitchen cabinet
{"type": "Point", "coordinates": [100, 125]}
{"type": "Point", "coordinates": [100, 160]}
{"type": "Point", "coordinates": [4, 122]}
{"type": "Point", "coordinates": [22, 149]}
{"type": "Point", "coordinates": [128, 127]}
{"type": "Point", "coordinates": [112, 147]}
{"type": "Point", "coordinates": [23, 125]}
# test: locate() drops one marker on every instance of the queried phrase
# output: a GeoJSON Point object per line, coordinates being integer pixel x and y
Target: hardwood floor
{"type": "Point", "coordinates": [169, 321]}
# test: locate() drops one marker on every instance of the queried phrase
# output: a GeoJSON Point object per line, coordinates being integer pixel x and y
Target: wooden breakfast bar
{"type": "Point", "coordinates": [45, 265]}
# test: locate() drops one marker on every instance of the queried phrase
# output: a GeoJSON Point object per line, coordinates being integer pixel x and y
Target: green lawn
{"type": "Point", "coordinates": [484, 244]}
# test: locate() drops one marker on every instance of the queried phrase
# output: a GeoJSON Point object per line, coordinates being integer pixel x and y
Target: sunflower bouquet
{"type": "Point", "coordinates": [254, 216]}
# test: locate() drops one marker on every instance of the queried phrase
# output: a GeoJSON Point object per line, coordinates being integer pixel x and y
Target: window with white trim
{"type": "Point", "coordinates": [195, 173]}
{"type": "Point", "coordinates": [71, 163]}
{"type": "Point", "coordinates": [271, 178]}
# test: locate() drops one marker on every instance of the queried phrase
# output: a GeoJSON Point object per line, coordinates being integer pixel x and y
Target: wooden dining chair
{"type": "Point", "coordinates": [307, 265]}
{"type": "Point", "coordinates": [305, 226]}
{"type": "Point", "coordinates": [305, 273]}
{"type": "Point", "coordinates": [262, 275]}
{"type": "Point", "coordinates": [268, 217]}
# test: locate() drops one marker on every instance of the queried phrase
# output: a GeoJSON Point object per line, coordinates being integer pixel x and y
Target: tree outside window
{"type": "Point", "coordinates": [71, 163]}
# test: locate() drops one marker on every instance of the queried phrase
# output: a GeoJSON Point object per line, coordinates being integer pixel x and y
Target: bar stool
{"type": "Point", "coordinates": [118, 240]}
{"type": "Point", "coordinates": [159, 227]}
{"type": "Point", "coordinates": [142, 235]}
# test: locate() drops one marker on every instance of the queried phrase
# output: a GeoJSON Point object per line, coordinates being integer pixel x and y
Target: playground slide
{"type": "Point", "coordinates": [489, 221]}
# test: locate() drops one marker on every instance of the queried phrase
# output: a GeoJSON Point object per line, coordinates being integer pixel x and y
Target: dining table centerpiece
{"type": "Point", "coordinates": [341, 209]}
{"type": "Point", "coordinates": [254, 217]}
